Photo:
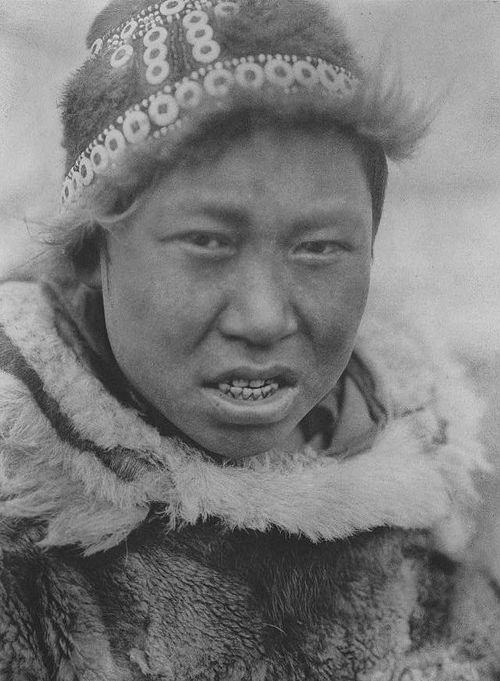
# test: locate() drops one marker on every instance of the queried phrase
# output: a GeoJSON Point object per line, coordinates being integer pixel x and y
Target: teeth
{"type": "Point", "coordinates": [257, 389]}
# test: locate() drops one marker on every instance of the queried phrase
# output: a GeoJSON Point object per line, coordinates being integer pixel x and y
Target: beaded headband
{"type": "Point", "coordinates": [173, 48]}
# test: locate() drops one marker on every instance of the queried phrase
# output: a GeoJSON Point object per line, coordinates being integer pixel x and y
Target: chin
{"type": "Point", "coordinates": [244, 444]}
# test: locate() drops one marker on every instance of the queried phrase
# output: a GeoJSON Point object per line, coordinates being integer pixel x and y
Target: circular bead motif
{"type": "Point", "coordinates": [218, 82]}
{"type": "Point", "coordinates": [155, 36]}
{"type": "Point", "coordinates": [67, 191]}
{"type": "Point", "coordinates": [121, 56]}
{"type": "Point", "coordinates": [328, 76]}
{"type": "Point", "coordinates": [76, 182]}
{"type": "Point", "coordinates": [99, 158]}
{"type": "Point", "coordinates": [114, 143]}
{"type": "Point", "coordinates": [206, 52]}
{"type": "Point", "coordinates": [157, 72]}
{"type": "Point", "coordinates": [136, 126]}
{"type": "Point", "coordinates": [305, 73]}
{"type": "Point", "coordinates": [199, 34]}
{"type": "Point", "coordinates": [279, 73]}
{"type": "Point", "coordinates": [249, 75]}
{"type": "Point", "coordinates": [129, 29]}
{"type": "Point", "coordinates": [86, 171]}
{"type": "Point", "coordinates": [170, 7]}
{"type": "Point", "coordinates": [195, 19]}
{"type": "Point", "coordinates": [226, 9]}
{"type": "Point", "coordinates": [96, 47]}
{"type": "Point", "coordinates": [155, 53]}
{"type": "Point", "coordinates": [347, 85]}
{"type": "Point", "coordinates": [163, 110]}
{"type": "Point", "coordinates": [189, 94]}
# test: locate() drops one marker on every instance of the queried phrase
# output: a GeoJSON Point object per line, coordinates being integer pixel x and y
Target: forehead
{"type": "Point", "coordinates": [291, 167]}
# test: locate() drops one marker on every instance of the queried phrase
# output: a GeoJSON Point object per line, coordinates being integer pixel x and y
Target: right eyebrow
{"type": "Point", "coordinates": [229, 213]}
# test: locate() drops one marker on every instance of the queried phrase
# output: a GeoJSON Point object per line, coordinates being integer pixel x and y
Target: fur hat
{"type": "Point", "coordinates": [157, 73]}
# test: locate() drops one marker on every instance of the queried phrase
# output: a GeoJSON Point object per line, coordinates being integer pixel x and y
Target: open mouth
{"type": "Point", "coordinates": [251, 396]}
{"type": "Point", "coordinates": [253, 390]}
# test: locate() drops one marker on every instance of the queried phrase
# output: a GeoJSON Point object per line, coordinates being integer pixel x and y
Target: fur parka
{"type": "Point", "coordinates": [127, 555]}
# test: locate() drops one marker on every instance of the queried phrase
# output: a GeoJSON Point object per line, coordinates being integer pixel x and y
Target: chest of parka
{"type": "Point", "coordinates": [256, 605]}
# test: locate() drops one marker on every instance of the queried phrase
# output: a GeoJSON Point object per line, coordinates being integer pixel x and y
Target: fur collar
{"type": "Point", "coordinates": [91, 468]}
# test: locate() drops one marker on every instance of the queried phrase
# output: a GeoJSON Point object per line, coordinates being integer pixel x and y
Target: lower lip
{"type": "Point", "coordinates": [253, 413]}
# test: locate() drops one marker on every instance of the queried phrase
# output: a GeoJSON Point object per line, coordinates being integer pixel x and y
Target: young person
{"type": "Point", "coordinates": [214, 463]}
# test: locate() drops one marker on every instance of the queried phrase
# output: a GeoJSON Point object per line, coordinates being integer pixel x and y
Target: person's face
{"type": "Point", "coordinates": [232, 296]}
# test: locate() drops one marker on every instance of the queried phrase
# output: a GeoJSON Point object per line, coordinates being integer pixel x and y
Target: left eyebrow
{"type": "Point", "coordinates": [328, 215]}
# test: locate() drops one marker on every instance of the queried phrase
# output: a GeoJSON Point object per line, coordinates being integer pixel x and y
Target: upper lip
{"type": "Point", "coordinates": [282, 373]}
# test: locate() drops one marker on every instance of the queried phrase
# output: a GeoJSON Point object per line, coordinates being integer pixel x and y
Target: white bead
{"type": "Point", "coordinates": [349, 85]}
{"type": "Point", "coordinates": [195, 19]}
{"type": "Point", "coordinates": [189, 94]}
{"type": "Point", "coordinates": [99, 158]}
{"type": "Point", "coordinates": [206, 52]}
{"type": "Point", "coordinates": [157, 72]}
{"type": "Point", "coordinates": [121, 56]}
{"type": "Point", "coordinates": [328, 76]}
{"type": "Point", "coordinates": [218, 82]}
{"type": "Point", "coordinates": [86, 171]}
{"type": "Point", "coordinates": [76, 182]}
{"type": "Point", "coordinates": [129, 29]}
{"type": "Point", "coordinates": [250, 75]}
{"type": "Point", "coordinates": [279, 73]}
{"type": "Point", "coordinates": [114, 143]}
{"type": "Point", "coordinates": [136, 126]}
{"type": "Point", "coordinates": [67, 191]}
{"type": "Point", "coordinates": [155, 36]}
{"type": "Point", "coordinates": [96, 47]}
{"type": "Point", "coordinates": [163, 110]}
{"type": "Point", "coordinates": [226, 9]}
{"type": "Point", "coordinates": [155, 53]}
{"type": "Point", "coordinates": [170, 7]}
{"type": "Point", "coordinates": [199, 34]}
{"type": "Point", "coordinates": [305, 73]}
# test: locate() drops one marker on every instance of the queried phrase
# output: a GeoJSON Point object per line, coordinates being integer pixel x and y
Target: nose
{"type": "Point", "coordinates": [259, 310]}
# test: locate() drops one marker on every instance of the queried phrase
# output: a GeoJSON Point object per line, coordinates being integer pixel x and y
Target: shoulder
{"type": "Point", "coordinates": [414, 367]}
{"type": "Point", "coordinates": [422, 382]}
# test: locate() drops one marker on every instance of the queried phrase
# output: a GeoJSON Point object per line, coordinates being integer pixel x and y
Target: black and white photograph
{"type": "Point", "coordinates": [250, 340]}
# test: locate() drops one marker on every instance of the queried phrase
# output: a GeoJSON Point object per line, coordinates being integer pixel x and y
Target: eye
{"type": "Point", "coordinates": [319, 248]}
{"type": "Point", "coordinates": [207, 241]}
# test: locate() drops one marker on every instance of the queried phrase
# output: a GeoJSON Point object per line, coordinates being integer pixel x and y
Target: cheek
{"type": "Point", "coordinates": [154, 305]}
{"type": "Point", "coordinates": [336, 307]}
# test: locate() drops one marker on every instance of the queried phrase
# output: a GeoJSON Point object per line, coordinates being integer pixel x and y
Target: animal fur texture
{"type": "Point", "coordinates": [125, 555]}
{"type": "Point", "coordinates": [97, 94]}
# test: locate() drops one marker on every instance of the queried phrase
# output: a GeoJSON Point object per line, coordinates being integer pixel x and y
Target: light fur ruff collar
{"type": "Point", "coordinates": [72, 456]}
